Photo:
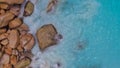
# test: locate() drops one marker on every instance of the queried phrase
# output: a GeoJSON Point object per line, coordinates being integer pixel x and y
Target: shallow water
{"type": "Point", "coordinates": [90, 30]}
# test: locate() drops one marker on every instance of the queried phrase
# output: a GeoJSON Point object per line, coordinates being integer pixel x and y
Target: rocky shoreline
{"type": "Point", "coordinates": [16, 42]}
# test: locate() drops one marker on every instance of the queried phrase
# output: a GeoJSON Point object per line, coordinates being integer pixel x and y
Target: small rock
{"type": "Point", "coordinates": [4, 42]}
{"type": "Point", "coordinates": [5, 19]}
{"type": "Point", "coordinates": [15, 23]}
{"type": "Point", "coordinates": [29, 8]}
{"type": "Point", "coordinates": [3, 30]}
{"type": "Point", "coordinates": [23, 27]}
{"type": "Point", "coordinates": [8, 50]}
{"type": "Point", "coordinates": [51, 5]}
{"type": "Point", "coordinates": [13, 38]}
{"type": "Point", "coordinates": [4, 6]}
{"type": "Point", "coordinates": [3, 36]}
{"type": "Point", "coordinates": [20, 48]}
{"type": "Point", "coordinates": [30, 44]}
{"type": "Point", "coordinates": [2, 12]}
{"type": "Point", "coordinates": [24, 39]}
{"type": "Point", "coordinates": [13, 59]}
{"type": "Point", "coordinates": [5, 59]}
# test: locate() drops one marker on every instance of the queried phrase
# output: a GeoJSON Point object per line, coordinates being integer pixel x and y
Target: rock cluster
{"type": "Point", "coordinates": [15, 41]}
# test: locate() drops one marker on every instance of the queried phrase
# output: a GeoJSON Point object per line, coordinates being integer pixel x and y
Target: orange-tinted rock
{"type": "Point", "coordinates": [2, 11]}
{"type": "Point", "coordinates": [24, 39]}
{"type": "Point", "coordinates": [13, 59]}
{"type": "Point", "coordinates": [20, 48]}
{"type": "Point", "coordinates": [4, 42]}
{"type": "Point", "coordinates": [30, 44]}
{"type": "Point", "coordinates": [3, 36]}
{"type": "Point", "coordinates": [4, 6]}
{"type": "Point", "coordinates": [15, 23]}
{"type": "Point", "coordinates": [8, 50]}
{"type": "Point", "coordinates": [13, 38]}
{"type": "Point", "coordinates": [23, 28]}
{"type": "Point", "coordinates": [5, 19]}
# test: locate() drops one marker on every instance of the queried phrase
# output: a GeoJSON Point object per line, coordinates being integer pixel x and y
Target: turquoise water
{"type": "Point", "coordinates": [91, 25]}
{"type": "Point", "coordinates": [103, 34]}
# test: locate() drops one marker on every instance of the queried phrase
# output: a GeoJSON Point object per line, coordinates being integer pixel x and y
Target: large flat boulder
{"type": "Point", "coordinates": [46, 35]}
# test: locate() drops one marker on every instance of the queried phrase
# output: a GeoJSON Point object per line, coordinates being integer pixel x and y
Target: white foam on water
{"type": "Point", "coordinates": [68, 18]}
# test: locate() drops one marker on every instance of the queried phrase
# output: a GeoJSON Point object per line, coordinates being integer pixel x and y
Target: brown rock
{"type": "Point", "coordinates": [15, 23]}
{"type": "Point", "coordinates": [4, 6]}
{"type": "Point", "coordinates": [20, 48]}
{"type": "Point", "coordinates": [13, 59]}
{"type": "Point", "coordinates": [30, 44]}
{"type": "Point", "coordinates": [8, 51]}
{"type": "Point", "coordinates": [2, 11]}
{"type": "Point", "coordinates": [12, 1]}
{"type": "Point", "coordinates": [4, 42]}
{"type": "Point", "coordinates": [23, 28]}
{"type": "Point", "coordinates": [24, 39]}
{"type": "Point", "coordinates": [46, 36]}
{"type": "Point", "coordinates": [5, 59]}
{"type": "Point", "coordinates": [3, 36]}
{"type": "Point", "coordinates": [23, 63]}
{"type": "Point", "coordinates": [7, 66]}
{"type": "Point", "coordinates": [3, 30]}
{"type": "Point", "coordinates": [13, 38]}
{"type": "Point", "coordinates": [5, 18]}
{"type": "Point", "coordinates": [29, 8]}
{"type": "Point", "coordinates": [51, 4]}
